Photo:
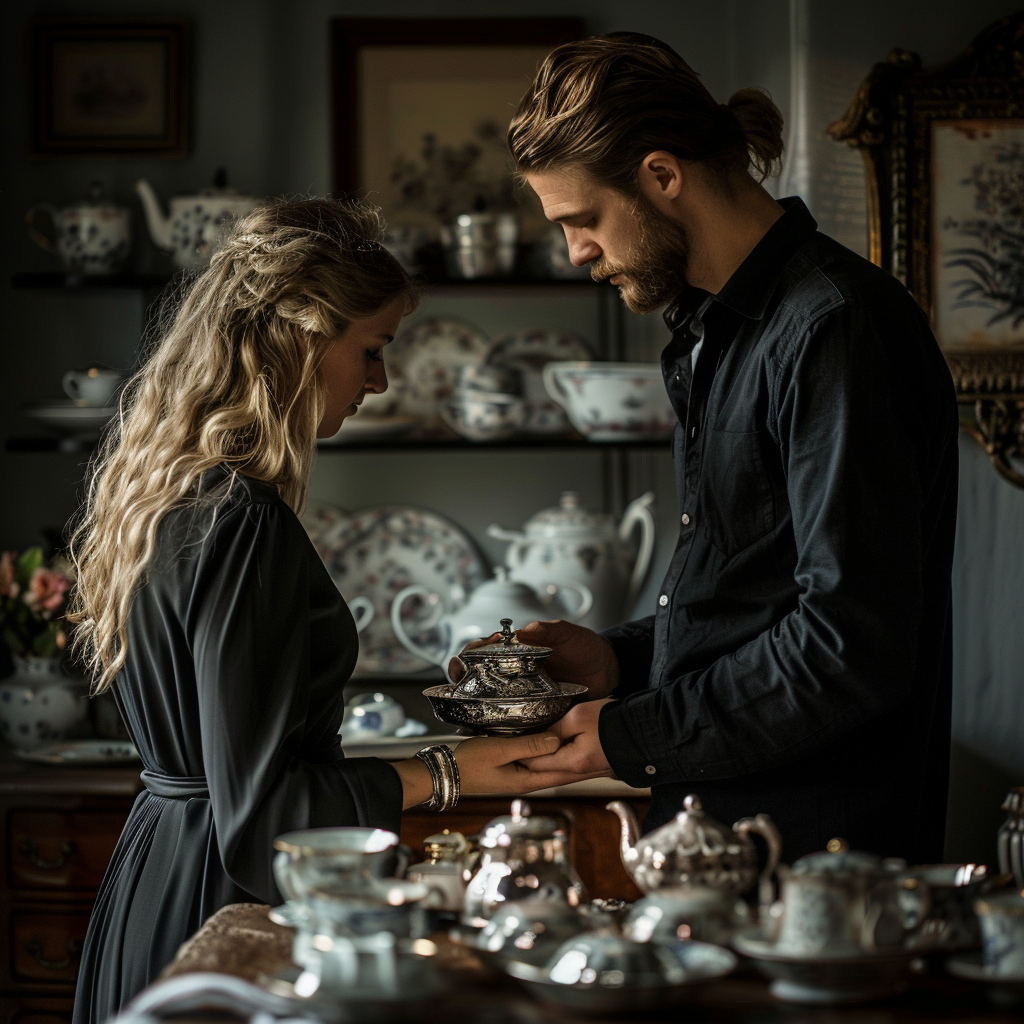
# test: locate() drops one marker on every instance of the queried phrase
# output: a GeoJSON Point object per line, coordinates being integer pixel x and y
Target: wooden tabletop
{"type": "Point", "coordinates": [241, 940]}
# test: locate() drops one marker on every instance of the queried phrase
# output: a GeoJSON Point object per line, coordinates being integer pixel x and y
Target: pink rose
{"type": "Point", "coordinates": [8, 584]}
{"type": "Point", "coordinates": [47, 591]}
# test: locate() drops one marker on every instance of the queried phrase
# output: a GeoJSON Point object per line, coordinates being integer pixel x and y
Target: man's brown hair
{"type": "Point", "coordinates": [604, 103]}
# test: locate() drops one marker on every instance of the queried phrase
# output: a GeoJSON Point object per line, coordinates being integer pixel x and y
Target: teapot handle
{"type": "Point", "coordinates": [763, 826]}
{"type": "Point", "coordinates": [639, 513]}
{"type": "Point", "coordinates": [583, 592]}
{"type": "Point", "coordinates": [417, 590]}
{"type": "Point", "coordinates": [552, 385]}
{"type": "Point", "coordinates": [37, 236]}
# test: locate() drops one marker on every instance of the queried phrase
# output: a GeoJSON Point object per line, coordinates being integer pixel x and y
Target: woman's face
{"type": "Point", "coordinates": [354, 364]}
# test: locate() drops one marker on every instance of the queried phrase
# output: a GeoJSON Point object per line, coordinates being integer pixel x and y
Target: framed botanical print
{"type": "Point", "coordinates": [421, 106]}
{"type": "Point", "coordinates": [944, 149]}
{"type": "Point", "coordinates": [106, 87]}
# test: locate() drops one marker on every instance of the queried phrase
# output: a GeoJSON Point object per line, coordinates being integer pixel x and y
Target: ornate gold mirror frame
{"type": "Point", "coordinates": [944, 149]}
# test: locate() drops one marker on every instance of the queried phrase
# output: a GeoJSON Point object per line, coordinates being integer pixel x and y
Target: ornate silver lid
{"type": "Point", "coordinates": [507, 668]}
{"type": "Point", "coordinates": [510, 646]}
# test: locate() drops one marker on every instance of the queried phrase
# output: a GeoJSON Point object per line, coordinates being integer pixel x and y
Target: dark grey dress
{"type": "Point", "coordinates": [239, 648]}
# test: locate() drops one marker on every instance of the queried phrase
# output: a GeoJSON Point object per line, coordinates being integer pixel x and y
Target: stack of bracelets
{"type": "Point", "coordinates": [444, 774]}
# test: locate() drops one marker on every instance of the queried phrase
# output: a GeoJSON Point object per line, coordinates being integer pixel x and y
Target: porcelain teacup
{"type": "Point", "coordinates": [1001, 916]}
{"type": "Point", "coordinates": [371, 714]}
{"type": "Point", "coordinates": [338, 861]}
{"type": "Point", "coordinates": [93, 387]}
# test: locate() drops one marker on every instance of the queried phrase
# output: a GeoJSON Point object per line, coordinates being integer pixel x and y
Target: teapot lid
{"type": "Point", "coordinates": [692, 817]}
{"type": "Point", "coordinates": [838, 859]}
{"type": "Point", "coordinates": [569, 516]}
{"type": "Point", "coordinates": [520, 822]}
{"type": "Point", "coordinates": [509, 646]}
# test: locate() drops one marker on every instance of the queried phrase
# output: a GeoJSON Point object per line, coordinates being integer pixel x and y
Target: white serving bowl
{"type": "Point", "coordinates": [612, 401]}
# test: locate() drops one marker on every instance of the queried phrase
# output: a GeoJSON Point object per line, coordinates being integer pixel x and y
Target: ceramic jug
{"type": "Point", "coordinates": [194, 224]}
{"type": "Point", "coordinates": [489, 603]}
{"type": "Point", "coordinates": [568, 544]}
{"type": "Point", "coordinates": [91, 238]}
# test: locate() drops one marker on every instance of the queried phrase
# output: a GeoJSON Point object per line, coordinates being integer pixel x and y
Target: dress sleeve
{"type": "Point", "coordinates": [249, 619]}
{"type": "Point", "coordinates": [846, 652]}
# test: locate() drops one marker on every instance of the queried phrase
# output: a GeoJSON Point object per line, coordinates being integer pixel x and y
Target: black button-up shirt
{"type": "Point", "coordinates": [799, 660]}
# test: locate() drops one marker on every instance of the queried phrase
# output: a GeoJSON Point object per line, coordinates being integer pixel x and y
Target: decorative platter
{"type": "Point", "coordinates": [528, 352]}
{"type": "Point", "coordinates": [379, 551]}
{"type": "Point", "coordinates": [84, 753]}
{"type": "Point", "coordinates": [423, 362]}
{"type": "Point", "coordinates": [320, 517]}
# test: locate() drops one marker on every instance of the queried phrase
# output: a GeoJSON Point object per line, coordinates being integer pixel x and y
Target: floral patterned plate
{"type": "Point", "coordinates": [320, 517]}
{"type": "Point", "coordinates": [528, 352]}
{"type": "Point", "coordinates": [423, 362]}
{"type": "Point", "coordinates": [379, 551]}
{"type": "Point", "coordinates": [82, 752]}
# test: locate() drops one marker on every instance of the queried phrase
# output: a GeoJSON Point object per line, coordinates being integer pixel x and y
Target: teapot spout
{"type": "Point", "coordinates": [629, 834]}
{"type": "Point", "coordinates": [499, 533]}
{"type": "Point", "coordinates": [157, 221]}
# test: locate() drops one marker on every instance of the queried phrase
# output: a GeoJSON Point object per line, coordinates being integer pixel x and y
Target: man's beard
{"type": "Point", "coordinates": [654, 269]}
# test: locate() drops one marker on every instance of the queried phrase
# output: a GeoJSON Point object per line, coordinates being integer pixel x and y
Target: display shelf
{"type": "Point", "coordinates": [77, 282]}
{"type": "Point", "coordinates": [71, 445]}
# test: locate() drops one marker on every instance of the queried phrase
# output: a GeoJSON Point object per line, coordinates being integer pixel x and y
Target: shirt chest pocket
{"type": "Point", "coordinates": [736, 494]}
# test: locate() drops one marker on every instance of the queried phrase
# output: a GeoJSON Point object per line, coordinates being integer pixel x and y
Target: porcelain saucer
{"type": "Point", "coordinates": [1002, 989]}
{"type": "Point", "coordinates": [830, 981]}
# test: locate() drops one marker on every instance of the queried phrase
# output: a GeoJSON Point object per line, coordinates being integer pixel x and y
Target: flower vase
{"type": "Point", "coordinates": [39, 704]}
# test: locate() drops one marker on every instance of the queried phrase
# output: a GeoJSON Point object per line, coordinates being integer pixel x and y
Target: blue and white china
{"type": "Point", "coordinates": [339, 861]}
{"type": "Point", "coordinates": [91, 238]}
{"type": "Point", "coordinates": [528, 352]}
{"type": "Point", "coordinates": [569, 544]}
{"type": "Point", "coordinates": [194, 224]}
{"type": "Point", "coordinates": [484, 416]}
{"type": "Point", "coordinates": [94, 387]}
{"type": "Point", "coordinates": [424, 361]}
{"type": "Point", "coordinates": [843, 902]}
{"type": "Point", "coordinates": [612, 401]}
{"type": "Point", "coordinates": [695, 852]}
{"type": "Point", "coordinates": [379, 552]}
{"type": "Point", "coordinates": [370, 716]}
{"type": "Point", "coordinates": [38, 704]}
{"type": "Point", "coordinates": [1001, 916]}
{"type": "Point", "coordinates": [498, 598]}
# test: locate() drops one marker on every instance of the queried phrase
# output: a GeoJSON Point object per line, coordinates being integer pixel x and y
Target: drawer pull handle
{"type": "Point", "coordinates": [35, 950]}
{"type": "Point", "coordinates": [31, 850]}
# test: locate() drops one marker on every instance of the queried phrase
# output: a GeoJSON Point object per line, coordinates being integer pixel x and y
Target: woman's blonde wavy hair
{"type": "Point", "coordinates": [233, 381]}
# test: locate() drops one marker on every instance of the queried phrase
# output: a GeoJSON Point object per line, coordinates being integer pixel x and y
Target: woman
{"type": "Point", "coordinates": [203, 606]}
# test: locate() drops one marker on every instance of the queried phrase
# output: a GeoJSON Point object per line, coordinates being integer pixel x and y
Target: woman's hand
{"type": "Point", "coordinates": [489, 765]}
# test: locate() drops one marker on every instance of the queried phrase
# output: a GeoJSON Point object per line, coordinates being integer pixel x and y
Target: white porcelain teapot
{"type": "Point", "coordinates": [569, 544]}
{"type": "Point", "coordinates": [494, 600]}
{"type": "Point", "coordinates": [194, 225]}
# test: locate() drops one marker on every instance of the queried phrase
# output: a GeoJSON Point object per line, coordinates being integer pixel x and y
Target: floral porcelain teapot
{"type": "Point", "coordinates": [195, 223]}
{"type": "Point", "coordinates": [695, 852]}
{"type": "Point", "coordinates": [570, 544]}
{"type": "Point", "coordinates": [492, 601]}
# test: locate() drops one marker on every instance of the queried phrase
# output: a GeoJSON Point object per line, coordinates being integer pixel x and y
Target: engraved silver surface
{"type": "Point", "coordinates": [502, 716]}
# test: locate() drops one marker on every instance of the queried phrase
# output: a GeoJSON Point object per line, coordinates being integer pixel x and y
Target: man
{"type": "Point", "coordinates": [799, 659]}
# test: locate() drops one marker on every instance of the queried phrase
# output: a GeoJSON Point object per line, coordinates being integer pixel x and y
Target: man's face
{"type": "Point", "coordinates": [625, 240]}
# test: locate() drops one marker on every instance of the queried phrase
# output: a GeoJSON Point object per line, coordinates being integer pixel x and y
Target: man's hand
{"type": "Point", "coordinates": [581, 751]}
{"type": "Point", "coordinates": [578, 655]}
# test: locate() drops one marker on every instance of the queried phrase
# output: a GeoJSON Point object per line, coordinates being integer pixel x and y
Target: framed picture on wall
{"type": "Point", "coordinates": [421, 107]}
{"type": "Point", "coordinates": [944, 150]}
{"type": "Point", "coordinates": [109, 87]}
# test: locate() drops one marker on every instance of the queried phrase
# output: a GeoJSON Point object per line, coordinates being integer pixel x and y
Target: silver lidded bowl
{"type": "Point", "coordinates": [505, 691]}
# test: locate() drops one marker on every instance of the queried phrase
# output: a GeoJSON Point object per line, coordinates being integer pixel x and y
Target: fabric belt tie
{"type": "Point", "coordinates": [176, 787]}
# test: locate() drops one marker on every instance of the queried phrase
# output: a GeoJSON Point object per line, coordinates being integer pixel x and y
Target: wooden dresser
{"type": "Point", "coordinates": [60, 829]}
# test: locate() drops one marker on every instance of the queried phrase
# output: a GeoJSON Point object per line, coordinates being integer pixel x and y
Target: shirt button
{"type": "Point", "coordinates": [663, 600]}
{"type": "Point", "coordinates": [650, 769]}
{"type": "Point", "coordinates": [693, 434]}
{"type": "Point", "coordinates": [685, 519]}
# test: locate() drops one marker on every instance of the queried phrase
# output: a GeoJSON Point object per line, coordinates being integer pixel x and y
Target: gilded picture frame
{"type": "Point", "coordinates": [109, 87]}
{"type": "Point", "coordinates": [944, 153]}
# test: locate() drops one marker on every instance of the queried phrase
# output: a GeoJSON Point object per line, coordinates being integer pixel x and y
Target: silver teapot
{"type": "Point", "coordinates": [694, 851]}
{"type": "Point", "coordinates": [521, 857]}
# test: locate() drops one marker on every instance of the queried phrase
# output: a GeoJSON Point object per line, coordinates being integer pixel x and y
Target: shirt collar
{"type": "Point", "coordinates": [750, 288]}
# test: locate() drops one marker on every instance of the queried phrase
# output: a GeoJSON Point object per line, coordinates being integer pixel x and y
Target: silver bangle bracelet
{"type": "Point", "coordinates": [444, 775]}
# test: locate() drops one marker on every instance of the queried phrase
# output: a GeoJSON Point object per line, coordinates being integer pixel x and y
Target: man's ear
{"type": "Point", "coordinates": [662, 176]}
